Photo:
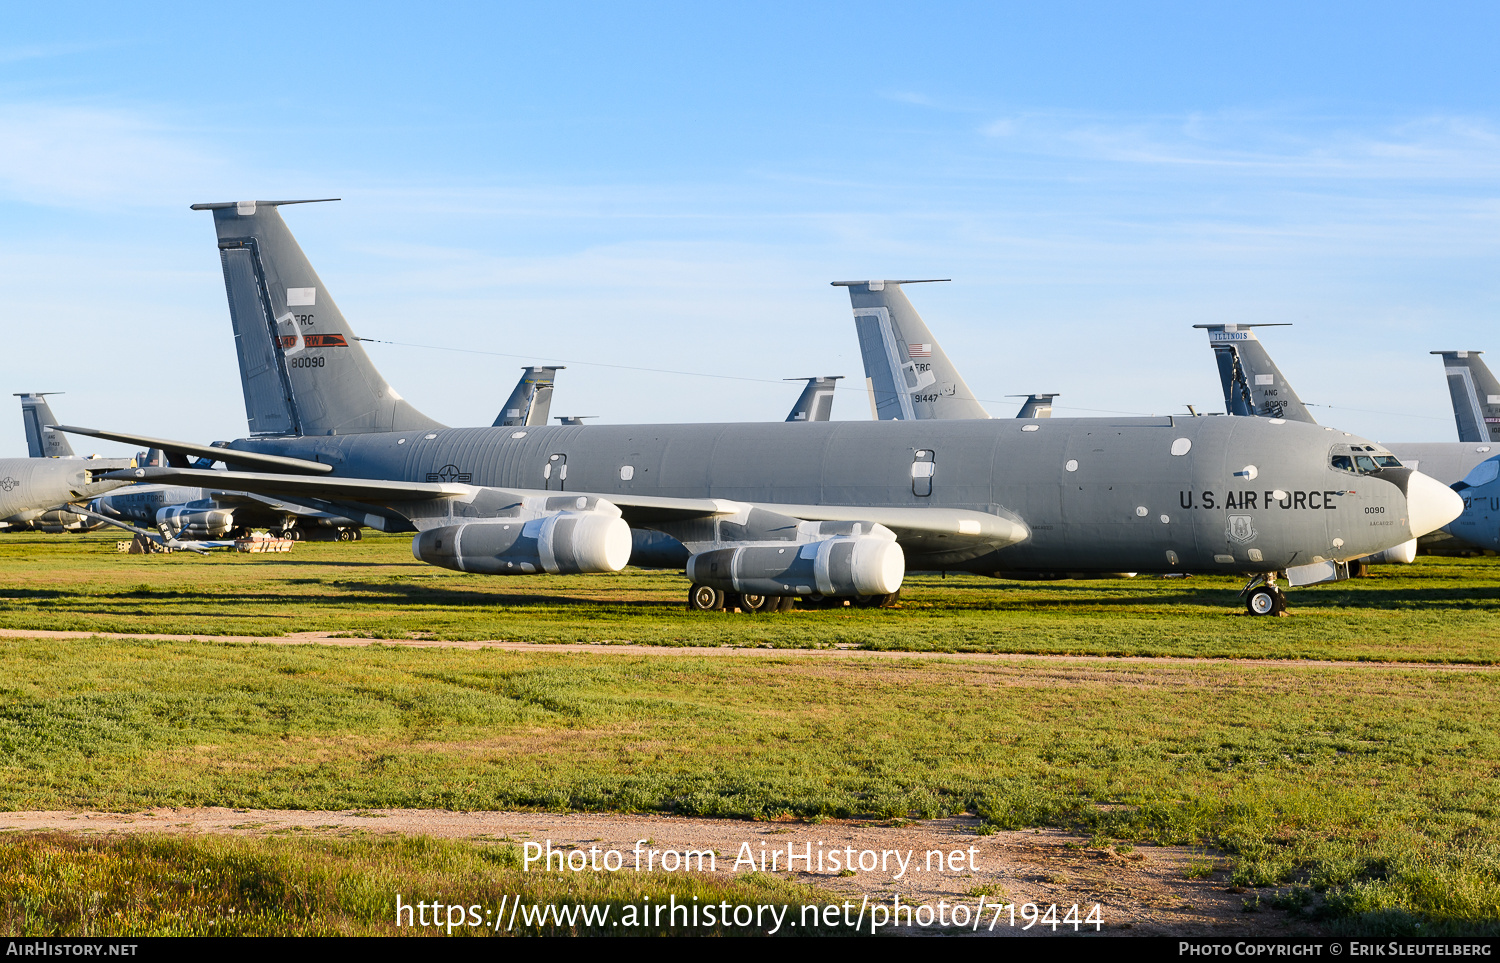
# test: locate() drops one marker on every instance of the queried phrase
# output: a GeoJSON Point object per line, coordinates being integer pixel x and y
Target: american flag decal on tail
{"type": "Point", "coordinates": [919, 350]}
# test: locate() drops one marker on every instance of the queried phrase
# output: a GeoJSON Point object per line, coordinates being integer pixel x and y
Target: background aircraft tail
{"type": "Point", "coordinates": [531, 401]}
{"type": "Point", "coordinates": [1252, 383]}
{"type": "Point", "coordinates": [36, 415]}
{"type": "Point", "coordinates": [1035, 406]}
{"type": "Point", "coordinates": [908, 374]}
{"type": "Point", "coordinates": [304, 371]}
{"type": "Point", "coordinates": [816, 401]}
{"type": "Point", "coordinates": [1475, 393]}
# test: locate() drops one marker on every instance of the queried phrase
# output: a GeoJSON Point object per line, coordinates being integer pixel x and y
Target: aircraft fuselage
{"type": "Point", "coordinates": [1098, 495]}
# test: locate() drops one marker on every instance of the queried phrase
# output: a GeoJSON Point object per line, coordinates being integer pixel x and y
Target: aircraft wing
{"type": "Point", "coordinates": [940, 532]}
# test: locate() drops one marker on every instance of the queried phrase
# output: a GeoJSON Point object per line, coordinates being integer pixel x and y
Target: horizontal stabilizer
{"type": "Point", "coordinates": [226, 455]}
{"type": "Point", "coordinates": [248, 207]}
{"type": "Point", "coordinates": [347, 489]}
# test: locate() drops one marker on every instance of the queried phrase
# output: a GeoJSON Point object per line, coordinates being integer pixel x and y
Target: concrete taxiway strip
{"type": "Point", "coordinates": [841, 651]}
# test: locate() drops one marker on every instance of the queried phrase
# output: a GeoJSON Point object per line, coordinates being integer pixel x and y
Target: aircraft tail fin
{"type": "Point", "coordinates": [816, 401]}
{"type": "Point", "coordinates": [1475, 394]}
{"type": "Point", "coordinates": [1252, 383]}
{"type": "Point", "coordinates": [41, 440]}
{"type": "Point", "coordinates": [1035, 406]}
{"type": "Point", "coordinates": [531, 401]}
{"type": "Point", "coordinates": [908, 373]}
{"type": "Point", "coordinates": [303, 369]}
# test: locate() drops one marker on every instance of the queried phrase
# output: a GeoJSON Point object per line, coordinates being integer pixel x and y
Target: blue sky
{"type": "Point", "coordinates": [673, 187]}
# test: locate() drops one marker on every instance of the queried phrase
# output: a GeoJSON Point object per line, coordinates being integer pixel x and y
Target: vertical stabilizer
{"type": "Point", "coordinates": [816, 401]}
{"type": "Point", "coordinates": [41, 440]}
{"type": "Point", "coordinates": [908, 374]}
{"type": "Point", "coordinates": [531, 401]}
{"type": "Point", "coordinates": [1035, 406]}
{"type": "Point", "coordinates": [1252, 383]}
{"type": "Point", "coordinates": [1475, 394]}
{"type": "Point", "coordinates": [304, 372]}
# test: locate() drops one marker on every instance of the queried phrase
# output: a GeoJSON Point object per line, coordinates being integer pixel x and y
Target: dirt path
{"type": "Point", "coordinates": [1140, 891]}
{"type": "Point", "coordinates": [844, 651]}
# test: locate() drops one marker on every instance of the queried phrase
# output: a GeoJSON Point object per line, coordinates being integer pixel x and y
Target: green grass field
{"type": "Point", "coordinates": [1365, 793]}
{"type": "Point", "coordinates": [1440, 610]}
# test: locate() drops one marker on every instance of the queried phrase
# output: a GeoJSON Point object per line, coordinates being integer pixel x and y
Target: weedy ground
{"type": "Point", "coordinates": [1365, 793]}
{"type": "Point", "coordinates": [1439, 610]}
{"type": "Point", "coordinates": [172, 886]}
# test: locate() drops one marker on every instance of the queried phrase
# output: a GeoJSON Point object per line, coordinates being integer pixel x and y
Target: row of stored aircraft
{"type": "Point", "coordinates": [759, 514]}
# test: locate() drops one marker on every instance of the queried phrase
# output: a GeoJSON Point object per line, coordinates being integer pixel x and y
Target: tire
{"type": "Point", "coordinates": [347, 535]}
{"type": "Point", "coordinates": [755, 604]}
{"type": "Point", "coordinates": [705, 598]}
{"type": "Point", "coordinates": [786, 603]}
{"type": "Point", "coordinates": [877, 601]}
{"type": "Point", "coordinates": [1265, 601]}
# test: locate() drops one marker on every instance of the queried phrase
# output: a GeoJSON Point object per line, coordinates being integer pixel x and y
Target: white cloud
{"type": "Point", "coordinates": [63, 155]}
{"type": "Point", "coordinates": [1436, 147]}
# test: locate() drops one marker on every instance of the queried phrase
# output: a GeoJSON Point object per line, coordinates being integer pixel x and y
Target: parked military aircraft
{"type": "Point", "coordinates": [908, 374]}
{"type": "Point", "coordinates": [1035, 405]}
{"type": "Point", "coordinates": [1254, 385]}
{"type": "Point", "coordinates": [531, 401]}
{"type": "Point", "coordinates": [766, 511]}
{"type": "Point", "coordinates": [1476, 410]}
{"type": "Point", "coordinates": [39, 422]}
{"type": "Point", "coordinates": [43, 442]}
{"type": "Point", "coordinates": [192, 513]}
{"type": "Point", "coordinates": [35, 492]}
{"type": "Point", "coordinates": [1475, 394]}
{"type": "Point", "coordinates": [816, 401]}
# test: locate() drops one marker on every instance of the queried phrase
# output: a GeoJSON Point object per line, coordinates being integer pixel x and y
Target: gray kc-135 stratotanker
{"type": "Point", "coordinates": [765, 512]}
{"type": "Point", "coordinates": [816, 401]}
{"type": "Point", "coordinates": [178, 512]}
{"type": "Point", "coordinates": [907, 372]}
{"type": "Point", "coordinates": [909, 375]}
{"type": "Point", "coordinates": [531, 401]}
{"type": "Point", "coordinates": [1475, 394]}
{"type": "Point", "coordinates": [37, 418]}
{"type": "Point", "coordinates": [1476, 410]}
{"type": "Point", "coordinates": [1254, 385]}
{"type": "Point", "coordinates": [31, 489]}
{"type": "Point", "coordinates": [35, 491]}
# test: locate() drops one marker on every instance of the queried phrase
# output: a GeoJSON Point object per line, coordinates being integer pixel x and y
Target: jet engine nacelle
{"type": "Point", "coordinates": [562, 543]}
{"type": "Point", "coordinates": [1403, 554]}
{"type": "Point", "coordinates": [188, 521]}
{"type": "Point", "coordinates": [840, 566]}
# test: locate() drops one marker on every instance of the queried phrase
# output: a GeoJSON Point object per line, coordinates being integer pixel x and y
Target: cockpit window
{"type": "Point", "coordinates": [1362, 464]}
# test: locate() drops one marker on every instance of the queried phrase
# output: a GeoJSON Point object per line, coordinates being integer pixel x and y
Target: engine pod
{"type": "Point", "coordinates": [192, 522]}
{"type": "Point", "coordinates": [841, 566]}
{"type": "Point", "coordinates": [563, 543]}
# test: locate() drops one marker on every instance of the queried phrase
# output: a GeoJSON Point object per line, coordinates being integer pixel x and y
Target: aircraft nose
{"type": "Point", "coordinates": [1430, 504]}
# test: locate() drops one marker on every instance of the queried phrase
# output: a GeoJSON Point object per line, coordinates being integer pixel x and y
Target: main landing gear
{"type": "Point", "coordinates": [1262, 597]}
{"type": "Point", "coordinates": [706, 598]}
